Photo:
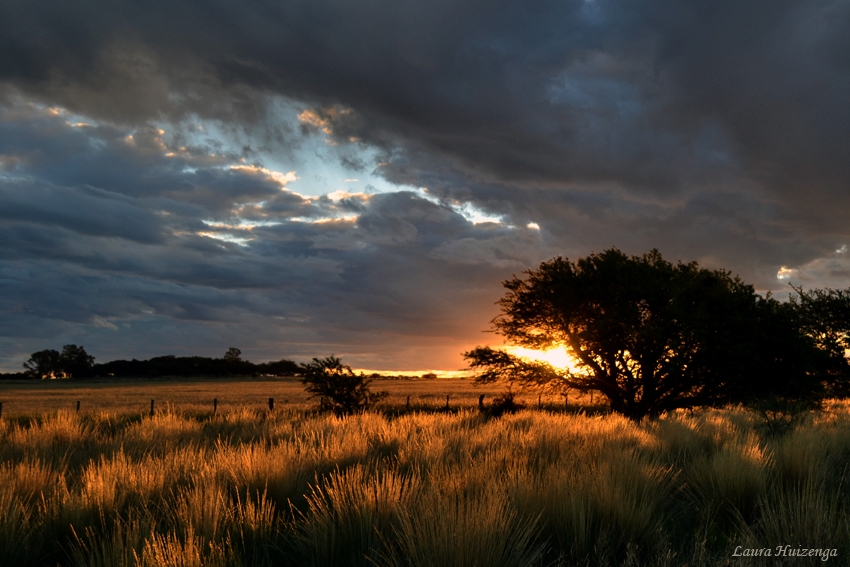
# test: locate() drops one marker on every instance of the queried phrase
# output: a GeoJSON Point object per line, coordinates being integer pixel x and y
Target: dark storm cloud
{"type": "Point", "coordinates": [83, 211]}
{"type": "Point", "coordinates": [654, 97]}
{"type": "Point", "coordinates": [132, 162]}
{"type": "Point", "coordinates": [715, 131]}
{"type": "Point", "coordinates": [462, 72]}
{"type": "Point", "coordinates": [90, 256]}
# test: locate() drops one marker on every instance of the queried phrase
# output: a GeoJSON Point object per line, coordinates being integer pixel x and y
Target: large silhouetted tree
{"type": "Point", "coordinates": [649, 335]}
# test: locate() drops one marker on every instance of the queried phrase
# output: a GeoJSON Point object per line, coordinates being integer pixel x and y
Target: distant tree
{"type": "Point", "coordinates": [171, 365]}
{"type": "Point", "coordinates": [281, 367]}
{"type": "Point", "coordinates": [75, 362]}
{"type": "Point", "coordinates": [15, 375]}
{"type": "Point", "coordinates": [233, 354]}
{"type": "Point", "coordinates": [43, 364]}
{"type": "Point", "coordinates": [649, 335]}
{"type": "Point", "coordinates": [341, 389]}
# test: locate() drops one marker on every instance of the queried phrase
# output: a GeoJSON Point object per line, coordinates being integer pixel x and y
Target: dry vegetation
{"type": "Point", "coordinates": [28, 397]}
{"type": "Point", "coordinates": [249, 487]}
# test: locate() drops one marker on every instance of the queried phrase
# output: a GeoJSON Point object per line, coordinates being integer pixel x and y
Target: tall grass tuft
{"type": "Point", "coordinates": [15, 528]}
{"type": "Point", "coordinates": [451, 530]}
{"type": "Point", "coordinates": [349, 513]}
{"type": "Point", "coordinates": [119, 545]}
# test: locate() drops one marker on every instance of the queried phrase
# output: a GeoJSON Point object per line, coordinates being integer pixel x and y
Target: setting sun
{"type": "Point", "coordinates": [557, 356]}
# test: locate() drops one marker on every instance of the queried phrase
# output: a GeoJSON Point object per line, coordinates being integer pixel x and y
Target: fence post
{"type": "Point", "coordinates": [539, 401]}
{"type": "Point", "coordinates": [481, 402]}
{"type": "Point", "coordinates": [447, 402]}
{"type": "Point", "coordinates": [567, 401]}
{"type": "Point", "coordinates": [271, 404]}
{"type": "Point", "coordinates": [215, 405]}
{"type": "Point", "coordinates": [408, 403]}
{"type": "Point", "coordinates": [591, 396]}
{"type": "Point", "coordinates": [78, 406]}
{"type": "Point", "coordinates": [151, 408]}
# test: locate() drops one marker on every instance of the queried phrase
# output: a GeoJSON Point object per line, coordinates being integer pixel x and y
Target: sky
{"type": "Point", "coordinates": [304, 178]}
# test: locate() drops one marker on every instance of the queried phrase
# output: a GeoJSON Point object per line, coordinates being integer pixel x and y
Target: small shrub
{"type": "Point", "coordinates": [779, 415]}
{"type": "Point", "coordinates": [505, 403]}
{"type": "Point", "coordinates": [340, 389]}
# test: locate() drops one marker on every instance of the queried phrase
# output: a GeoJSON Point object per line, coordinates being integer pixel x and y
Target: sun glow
{"type": "Point", "coordinates": [557, 356]}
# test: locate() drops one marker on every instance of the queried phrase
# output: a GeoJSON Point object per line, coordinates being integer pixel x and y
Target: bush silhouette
{"type": "Point", "coordinates": [339, 388]}
{"type": "Point", "coordinates": [505, 402]}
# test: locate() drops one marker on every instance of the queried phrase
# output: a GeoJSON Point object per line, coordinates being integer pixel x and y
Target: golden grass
{"type": "Point", "coordinates": [22, 398]}
{"type": "Point", "coordinates": [249, 487]}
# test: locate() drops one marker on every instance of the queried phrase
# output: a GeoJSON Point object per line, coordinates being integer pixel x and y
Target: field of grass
{"type": "Point", "coordinates": [426, 488]}
{"type": "Point", "coordinates": [28, 397]}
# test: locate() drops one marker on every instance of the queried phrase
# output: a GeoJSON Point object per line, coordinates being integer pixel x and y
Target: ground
{"type": "Point", "coordinates": [23, 397]}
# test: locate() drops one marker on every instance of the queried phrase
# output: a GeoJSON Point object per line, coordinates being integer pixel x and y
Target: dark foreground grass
{"type": "Point", "coordinates": [420, 489]}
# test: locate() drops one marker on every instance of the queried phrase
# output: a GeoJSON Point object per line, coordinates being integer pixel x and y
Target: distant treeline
{"type": "Point", "coordinates": [194, 366]}
{"type": "Point", "coordinates": [74, 362]}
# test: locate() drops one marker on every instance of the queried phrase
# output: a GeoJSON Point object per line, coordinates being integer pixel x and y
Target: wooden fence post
{"type": "Point", "coordinates": [151, 408]}
{"type": "Point", "coordinates": [567, 401]}
{"type": "Point", "coordinates": [78, 406]}
{"type": "Point", "coordinates": [408, 403]}
{"type": "Point", "coordinates": [447, 402]}
{"type": "Point", "coordinates": [271, 404]}
{"type": "Point", "coordinates": [215, 405]}
{"type": "Point", "coordinates": [481, 402]}
{"type": "Point", "coordinates": [539, 401]}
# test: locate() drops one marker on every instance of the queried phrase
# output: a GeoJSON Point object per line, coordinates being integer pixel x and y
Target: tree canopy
{"type": "Point", "coordinates": [824, 315]}
{"type": "Point", "coordinates": [233, 354]}
{"type": "Point", "coordinates": [652, 336]}
{"type": "Point", "coordinates": [43, 364]}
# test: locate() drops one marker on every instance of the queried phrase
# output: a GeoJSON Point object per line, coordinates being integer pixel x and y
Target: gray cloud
{"type": "Point", "coordinates": [527, 89]}
{"type": "Point", "coordinates": [714, 131]}
{"type": "Point", "coordinates": [89, 212]}
{"type": "Point", "coordinates": [88, 259]}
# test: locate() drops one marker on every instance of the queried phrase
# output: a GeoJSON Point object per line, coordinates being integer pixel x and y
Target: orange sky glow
{"type": "Point", "coordinates": [557, 356]}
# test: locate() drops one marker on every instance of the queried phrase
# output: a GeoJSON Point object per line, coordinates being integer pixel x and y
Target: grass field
{"type": "Point", "coordinates": [425, 488]}
{"type": "Point", "coordinates": [27, 397]}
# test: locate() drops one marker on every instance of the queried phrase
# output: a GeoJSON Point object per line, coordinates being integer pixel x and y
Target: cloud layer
{"type": "Point", "coordinates": [303, 178]}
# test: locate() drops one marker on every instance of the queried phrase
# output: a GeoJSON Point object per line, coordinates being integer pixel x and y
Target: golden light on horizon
{"type": "Point", "coordinates": [415, 373]}
{"type": "Point", "coordinates": [557, 356]}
